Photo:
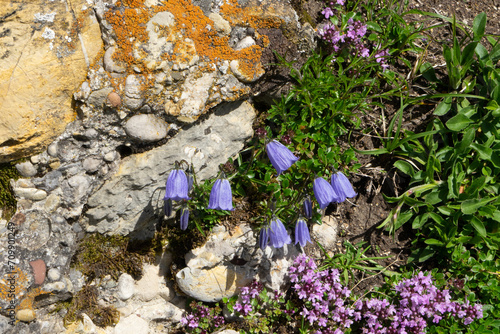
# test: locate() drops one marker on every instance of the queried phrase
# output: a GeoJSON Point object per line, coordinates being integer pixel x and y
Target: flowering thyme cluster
{"type": "Point", "coordinates": [324, 298]}
{"type": "Point", "coordinates": [247, 294]}
{"type": "Point", "coordinates": [349, 36]}
{"type": "Point", "coordinates": [418, 302]}
{"type": "Point", "coordinates": [202, 319]}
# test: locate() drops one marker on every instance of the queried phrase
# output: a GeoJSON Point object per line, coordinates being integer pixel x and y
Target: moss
{"type": "Point", "coordinates": [86, 301]}
{"type": "Point", "coordinates": [99, 255]}
{"type": "Point", "coordinates": [8, 202]}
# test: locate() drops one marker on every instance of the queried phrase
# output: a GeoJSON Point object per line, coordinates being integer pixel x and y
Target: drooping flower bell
{"type": "Point", "coordinates": [184, 218]}
{"type": "Point", "coordinates": [307, 207]}
{"type": "Point", "coordinates": [323, 191]}
{"type": "Point", "coordinates": [278, 236]}
{"type": "Point", "coordinates": [177, 186]}
{"type": "Point", "coordinates": [281, 157]}
{"type": "Point", "coordinates": [302, 232]}
{"type": "Point", "coordinates": [264, 237]}
{"type": "Point", "coordinates": [342, 187]}
{"type": "Point", "coordinates": [167, 207]}
{"type": "Point", "coordinates": [221, 197]}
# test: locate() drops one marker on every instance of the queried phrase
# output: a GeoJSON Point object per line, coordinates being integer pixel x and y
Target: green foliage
{"type": "Point", "coordinates": [8, 202]}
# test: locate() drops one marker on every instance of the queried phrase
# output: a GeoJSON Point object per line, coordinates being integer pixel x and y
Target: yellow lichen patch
{"type": "Point", "coordinates": [15, 282]}
{"type": "Point", "coordinates": [254, 16]}
{"type": "Point", "coordinates": [29, 299]}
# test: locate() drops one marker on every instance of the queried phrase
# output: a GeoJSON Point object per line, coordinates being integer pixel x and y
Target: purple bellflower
{"type": "Point", "coordinates": [264, 237]}
{"type": "Point", "coordinates": [278, 235]}
{"type": "Point", "coordinates": [177, 186]}
{"type": "Point", "coordinates": [302, 232]}
{"type": "Point", "coordinates": [184, 218]}
{"type": "Point", "coordinates": [167, 207]}
{"type": "Point", "coordinates": [323, 191]}
{"type": "Point", "coordinates": [342, 187]}
{"type": "Point", "coordinates": [281, 157]}
{"type": "Point", "coordinates": [307, 207]}
{"type": "Point", "coordinates": [221, 197]}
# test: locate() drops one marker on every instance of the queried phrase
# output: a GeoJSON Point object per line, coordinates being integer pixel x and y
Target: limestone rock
{"type": "Point", "coordinates": [129, 201]}
{"type": "Point", "coordinates": [146, 128]}
{"type": "Point", "coordinates": [46, 48]}
{"type": "Point", "coordinates": [26, 315]}
{"type": "Point", "coordinates": [132, 325]}
{"type": "Point", "coordinates": [326, 233]}
{"type": "Point", "coordinates": [148, 287]}
{"type": "Point", "coordinates": [126, 288]}
{"type": "Point", "coordinates": [26, 169]}
{"type": "Point", "coordinates": [159, 310]}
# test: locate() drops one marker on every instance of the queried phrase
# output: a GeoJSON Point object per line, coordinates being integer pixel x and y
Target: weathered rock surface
{"type": "Point", "coordinates": [46, 48]}
{"type": "Point", "coordinates": [129, 201]}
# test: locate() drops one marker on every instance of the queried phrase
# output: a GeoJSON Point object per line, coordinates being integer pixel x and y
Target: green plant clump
{"type": "Point", "coordinates": [8, 202]}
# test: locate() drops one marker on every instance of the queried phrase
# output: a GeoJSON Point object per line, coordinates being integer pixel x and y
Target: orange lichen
{"type": "Point", "coordinates": [250, 16]}
{"type": "Point", "coordinates": [19, 282]}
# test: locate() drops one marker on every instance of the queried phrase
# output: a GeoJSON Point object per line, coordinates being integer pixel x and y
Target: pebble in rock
{"type": "Point", "coordinates": [91, 164]}
{"type": "Point", "coordinates": [110, 156]}
{"type": "Point", "coordinates": [126, 287]}
{"type": "Point", "coordinates": [54, 274]}
{"type": "Point", "coordinates": [39, 271]}
{"type": "Point", "coordinates": [148, 287]}
{"type": "Point", "coordinates": [146, 128]}
{"type": "Point", "coordinates": [113, 100]}
{"type": "Point", "coordinates": [245, 71]}
{"type": "Point", "coordinates": [25, 315]}
{"type": "Point", "coordinates": [26, 169]}
{"type": "Point", "coordinates": [326, 233]}
{"type": "Point", "coordinates": [30, 193]}
{"type": "Point", "coordinates": [52, 150]}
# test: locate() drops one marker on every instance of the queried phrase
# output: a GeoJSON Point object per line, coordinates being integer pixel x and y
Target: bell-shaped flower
{"type": "Point", "coordinates": [307, 207]}
{"type": "Point", "coordinates": [302, 232]}
{"type": "Point", "coordinates": [281, 157]}
{"type": "Point", "coordinates": [264, 237]}
{"type": "Point", "coordinates": [323, 191]}
{"type": "Point", "coordinates": [177, 186]}
{"type": "Point", "coordinates": [184, 218]}
{"type": "Point", "coordinates": [167, 207]}
{"type": "Point", "coordinates": [278, 236]}
{"type": "Point", "coordinates": [342, 187]}
{"type": "Point", "coordinates": [221, 197]}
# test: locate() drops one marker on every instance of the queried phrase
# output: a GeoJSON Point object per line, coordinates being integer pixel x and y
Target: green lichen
{"type": "Point", "coordinates": [8, 202]}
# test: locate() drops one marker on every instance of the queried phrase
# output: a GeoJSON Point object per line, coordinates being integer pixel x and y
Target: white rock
{"type": "Point", "coordinates": [148, 287]}
{"type": "Point", "coordinates": [109, 64]}
{"type": "Point", "coordinates": [146, 128]}
{"type": "Point", "coordinates": [26, 315]}
{"type": "Point", "coordinates": [222, 26]}
{"type": "Point", "coordinates": [126, 287]}
{"type": "Point", "coordinates": [133, 98]}
{"type": "Point", "coordinates": [54, 274]}
{"type": "Point", "coordinates": [159, 309]}
{"type": "Point", "coordinates": [244, 43]}
{"type": "Point", "coordinates": [31, 193]}
{"type": "Point", "coordinates": [132, 325]}
{"type": "Point", "coordinates": [326, 233]}
{"type": "Point", "coordinates": [26, 169]}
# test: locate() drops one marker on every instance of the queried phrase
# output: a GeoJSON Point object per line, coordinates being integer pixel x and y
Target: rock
{"type": "Point", "coordinates": [52, 202]}
{"type": "Point", "coordinates": [159, 310]}
{"type": "Point", "coordinates": [247, 71]}
{"type": "Point", "coordinates": [222, 26]}
{"type": "Point", "coordinates": [113, 100]}
{"type": "Point", "coordinates": [109, 64]}
{"type": "Point", "coordinates": [146, 128]}
{"type": "Point", "coordinates": [53, 274]}
{"type": "Point", "coordinates": [132, 325]}
{"type": "Point", "coordinates": [25, 315]}
{"type": "Point", "coordinates": [36, 61]}
{"type": "Point", "coordinates": [39, 271]}
{"type": "Point", "coordinates": [91, 164]}
{"type": "Point", "coordinates": [26, 169]}
{"type": "Point", "coordinates": [245, 43]}
{"type": "Point", "coordinates": [124, 203]}
{"type": "Point", "coordinates": [34, 232]}
{"type": "Point", "coordinates": [148, 287]}
{"type": "Point", "coordinates": [52, 150]}
{"type": "Point", "coordinates": [33, 194]}
{"type": "Point", "coordinates": [84, 326]}
{"type": "Point", "coordinates": [228, 331]}
{"type": "Point", "coordinates": [133, 93]}
{"type": "Point", "coordinates": [326, 233]}
{"type": "Point", "coordinates": [98, 97]}
{"type": "Point", "coordinates": [126, 288]}
{"type": "Point", "coordinates": [49, 181]}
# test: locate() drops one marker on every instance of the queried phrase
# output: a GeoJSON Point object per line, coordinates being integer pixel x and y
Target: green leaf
{"type": "Point", "coordinates": [470, 206]}
{"type": "Point", "coordinates": [434, 242]}
{"type": "Point", "coordinates": [478, 226]}
{"type": "Point", "coordinates": [419, 221]}
{"type": "Point", "coordinates": [405, 167]}
{"type": "Point", "coordinates": [478, 26]}
{"type": "Point", "coordinates": [443, 107]}
{"type": "Point", "coordinates": [458, 122]}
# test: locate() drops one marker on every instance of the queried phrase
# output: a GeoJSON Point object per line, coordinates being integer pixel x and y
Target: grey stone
{"type": "Point", "coordinates": [49, 181]}
{"type": "Point", "coordinates": [126, 288]}
{"type": "Point", "coordinates": [26, 169]}
{"type": "Point", "coordinates": [98, 97]}
{"type": "Point", "coordinates": [91, 164]}
{"type": "Point", "coordinates": [146, 128]}
{"type": "Point", "coordinates": [133, 93]}
{"type": "Point", "coordinates": [130, 200]}
{"type": "Point", "coordinates": [110, 156]}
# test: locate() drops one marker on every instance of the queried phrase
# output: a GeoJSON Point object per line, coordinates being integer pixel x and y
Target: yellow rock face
{"type": "Point", "coordinates": [46, 48]}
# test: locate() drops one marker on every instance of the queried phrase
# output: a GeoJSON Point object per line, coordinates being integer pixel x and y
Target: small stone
{"type": "Point", "coordinates": [58, 286]}
{"type": "Point", "coordinates": [109, 64]}
{"type": "Point", "coordinates": [98, 97]}
{"type": "Point", "coordinates": [159, 310]}
{"type": "Point", "coordinates": [39, 271]}
{"type": "Point", "coordinates": [110, 156]}
{"type": "Point", "coordinates": [133, 93]}
{"type": "Point", "coordinates": [26, 169]}
{"type": "Point", "coordinates": [30, 193]}
{"type": "Point", "coordinates": [126, 287]}
{"type": "Point", "coordinates": [146, 128]}
{"type": "Point", "coordinates": [54, 274]}
{"type": "Point", "coordinates": [113, 100]}
{"type": "Point", "coordinates": [221, 26]}
{"type": "Point", "coordinates": [326, 233]}
{"type": "Point", "coordinates": [25, 315]}
{"type": "Point", "coordinates": [247, 71]}
{"type": "Point", "coordinates": [52, 150]}
{"type": "Point", "coordinates": [132, 325]}
{"type": "Point", "coordinates": [244, 43]}
{"type": "Point", "coordinates": [91, 164]}
{"type": "Point", "coordinates": [52, 203]}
